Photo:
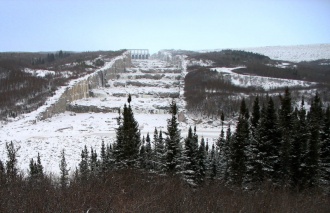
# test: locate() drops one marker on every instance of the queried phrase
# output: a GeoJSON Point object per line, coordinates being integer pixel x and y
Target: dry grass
{"type": "Point", "coordinates": [136, 191]}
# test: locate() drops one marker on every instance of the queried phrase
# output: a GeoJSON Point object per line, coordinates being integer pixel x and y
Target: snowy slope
{"type": "Point", "coordinates": [71, 131]}
{"type": "Point", "coordinates": [267, 83]}
{"type": "Point", "coordinates": [294, 53]}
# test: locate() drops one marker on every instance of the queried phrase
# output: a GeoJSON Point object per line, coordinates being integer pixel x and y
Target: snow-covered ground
{"type": "Point", "coordinates": [72, 131]}
{"type": "Point", "coordinates": [294, 53]}
{"type": "Point", "coordinates": [266, 83]}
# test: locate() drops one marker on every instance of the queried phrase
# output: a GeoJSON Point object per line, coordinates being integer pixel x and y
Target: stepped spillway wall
{"type": "Point", "coordinates": [80, 88]}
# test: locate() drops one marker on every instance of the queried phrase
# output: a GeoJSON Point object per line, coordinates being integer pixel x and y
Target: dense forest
{"type": "Point", "coordinates": [208, 93]}
{"type": "Point", "coordinates": [23, 92]}
{"type": "Point", "coordinates": [276, 159]}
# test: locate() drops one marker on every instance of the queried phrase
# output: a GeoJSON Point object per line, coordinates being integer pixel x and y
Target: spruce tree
{"type": "Point", "coordinates": [313, 151]}
{"type": "Point", "coordinates": [160, 156]}
{"type": "Point", "coordinates": [103, 163]}
{"type": "Point", "coordinates": [173, 141]}
{"type": "Point", "coordinates": [11, 163]}
{"type": "Point", "coordinates": [190, 155]}
{"type": "Point", "coordinates": [254, 167]}
{"type": "Point", "coordinates": [94, 164]}
{"type": "Point", "coordinates": [223, 150]}
{"type": "Point", "coordinates": [269, 144]}
{"type": "Point", "coordinates": [149, 154]}
{"type": "Point", "coordinates": [213, 163]}
{"type": "Point", "coordinates": [36, 169]}
{"type": "Point", "coordinates": [84, 165]}
{"type": "Point", "coordinates": [201, 162]}
{"type": "Point", "coordinates": [2, 174]}
{"type": "Point", "coordinates": [325, 150]}
{"type": "Point", "coordinates": [299, 148]}
{"type": "Point", "coordinates": [64, 171]}
{"type": "Point", "coordinates": [238, 147]}
{"type": "Point", "coordinates": [142, 154]}
{"type": "Point", "coordinates": [286, 132]}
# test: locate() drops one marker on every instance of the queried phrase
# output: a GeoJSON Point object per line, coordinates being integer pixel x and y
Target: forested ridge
{"type": "Point", "coordinates": [22, 92]}
{"type": "Point", "coordinates": [276, 158]}
{"type": "Point", "coordinates": [208, 93]}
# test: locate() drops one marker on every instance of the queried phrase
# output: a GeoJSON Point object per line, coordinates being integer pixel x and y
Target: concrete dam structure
{"type": "Point", "coordinates": [80, 88]}
{"type": "Point", "coordinates": [139, 53]}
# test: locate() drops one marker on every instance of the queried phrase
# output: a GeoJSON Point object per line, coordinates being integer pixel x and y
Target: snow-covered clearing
{"type": "Point", "coordinates": [72, 131]}
{"type": "Point", "coordinates": [294, 53]}
{"type": "Point", "coordinates": [267, 83]}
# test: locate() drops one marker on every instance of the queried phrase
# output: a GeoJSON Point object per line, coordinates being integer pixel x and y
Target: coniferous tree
{"type": "Point", "coordinates": [201, 162]}
{"type": "Point", "coordinates": [11, 163]}
{"type": "Point", "coordinates": [128, 139]}
{"type": "Point", "coordinates": [190, 157]}
{"type": "Point", "coordinates": [94, 164]}
{"type": "Point", "coordinates": [286, 132]}
{"type": "Point", "coordinates": [299, 148]}
{"type": "Point", "coordinates": [109, 158]}
{"type": "Point", "coordinates": [173, 141]}
{"type": "Point", "coordinates": [142, 157]}
{"type": "Point", "coordinates": [238, 147]}
{"type": "Point", "coordinates": [36, 169]}
{"type": "Point", "coordinates": [213, 163]}
{"type": "Point", "coordinates": [103, 163]}
{"type": "Point", "coordinates": [84, 165]}
{"type": "Point", "coordinates": [254, 167]}
{"type": "Point", "coordinates": [2, 174]}
{"type": "Point", "coordinates": [268, 144]}
{"type": "Point", "coordinates": [149, 154]}
{"type": "Point", "coordinates": [325, 149]}
{"type": "Point", "coordinates": [313, 149]}
{"type": "Point", "coordinates": [223, 149]}
{"type": "Point", "coordinates": [160, 152]}
{"type": "Point", "coordinates": [64, 171]}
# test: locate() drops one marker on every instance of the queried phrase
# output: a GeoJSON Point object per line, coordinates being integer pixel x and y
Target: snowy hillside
{"type": "Point", "coordinates": [72, 131]}
{"type": "Point", "coordinates": [291, 53]}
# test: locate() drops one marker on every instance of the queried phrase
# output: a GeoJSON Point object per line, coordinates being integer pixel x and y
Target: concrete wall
{"type": "Point", "coordinates": [80, 88]}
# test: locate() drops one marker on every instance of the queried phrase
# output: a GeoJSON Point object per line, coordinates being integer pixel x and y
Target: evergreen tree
{"type": "Point", "coordinates": [11, 163]}
{"type": "Point", "coordinates": [313, 151]}
{"type": "Point", "coordinates": [149, 154]}
{"type": "Point", "coordinates": [190, 157]}
{"type": "Point", "coordinates": [36, 169]}
{"type": "Point", "coordinates": [286, 132]}
{"type": "Point", "coordinates": [299, 148]}
{"type": "Point", "coordinates": [238, 146]}
{"type": "Point", "coordinates": [159, 151]}
{"type": "Point", "coordinates": [104, 160]}
{"type": "Point", "coordinates": [128, 139]}
{"type": "Point", "coordinates": [213, 163]}
{"type": "Point", "coordinates": [64, 171]}
{"type": "Point", "coordinates": [94, 164]}
{"type": "Point", "coordinates": [325, 149]}
{"type": "Point", "coordinates": [201, 162]}
{"type": "Point", "coordinates": [223, 148]}
{"type": "Point", "coordinates": [254, 167]}
{"type": "Point", "coordinates": [142, 157]}
{"type": "Point", "coordinates": [268, 165]}
{"type": "Point", "coordinates": [84, 165]}
{"type": "Point", "coordinates": [173, 144]}
{"type": "Point", "coordinates": [2, 174]}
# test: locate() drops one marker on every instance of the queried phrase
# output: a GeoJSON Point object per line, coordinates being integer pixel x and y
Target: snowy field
{"type": "Point", "coordinates": [267, 83]}
{"type": "Point", "coordinates": [72, 131]}
{"type": "Point", "coordinates": [294, 53]}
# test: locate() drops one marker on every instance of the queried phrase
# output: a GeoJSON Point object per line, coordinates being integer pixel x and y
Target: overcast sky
{"type": "Point", "coordinates": [87, 25]}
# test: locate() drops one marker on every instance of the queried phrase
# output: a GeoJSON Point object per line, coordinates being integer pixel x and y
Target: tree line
{"type": "Point", "coordinates": [270, 147]}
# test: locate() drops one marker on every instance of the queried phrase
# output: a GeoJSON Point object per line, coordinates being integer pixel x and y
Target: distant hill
{"type": "Point", "coordinates": [294, 53]}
